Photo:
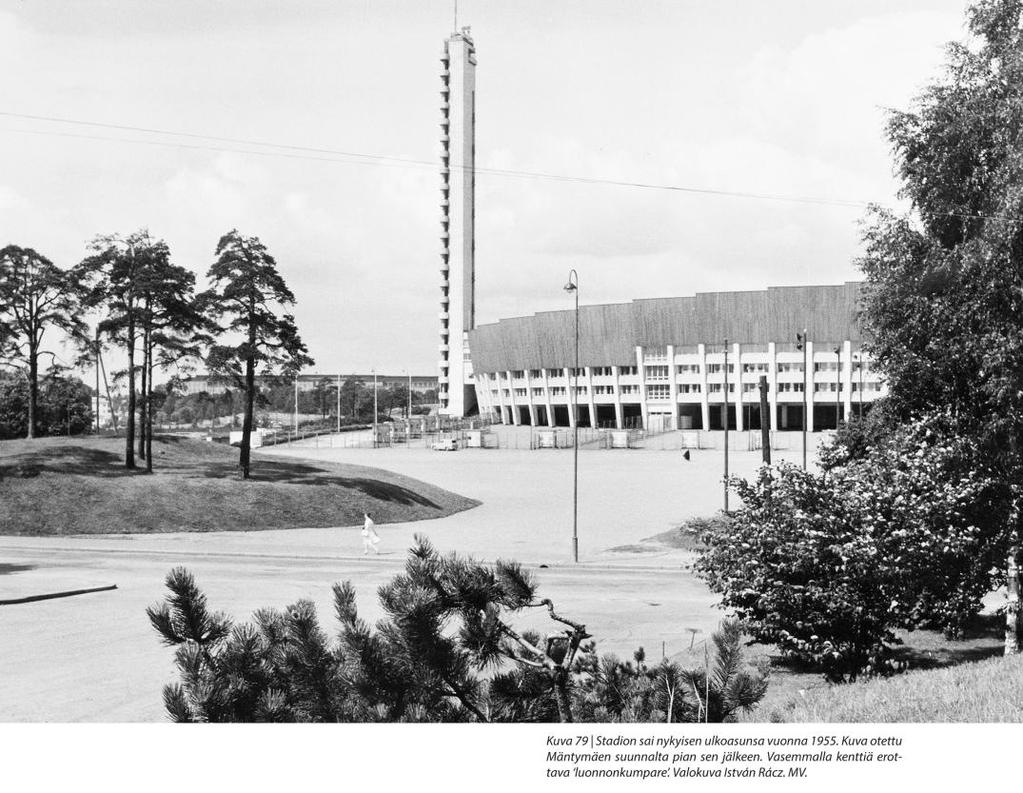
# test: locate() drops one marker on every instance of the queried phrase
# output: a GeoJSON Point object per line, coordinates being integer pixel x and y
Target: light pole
{"type": "Point", "coordinates": [374, 408]}
{"type": "Point", "coordinates": [726, 425]}
{"type": "Point", "coordinates": [339, 402]}
{"type": "Point", "coordinates": [802, 342]}
{"type": "Point", "coordinates": [296, 403]}
{"type": "Point", "coordinates": [573, 287]}
{"type": "Point", "coordinates": [838, 389]}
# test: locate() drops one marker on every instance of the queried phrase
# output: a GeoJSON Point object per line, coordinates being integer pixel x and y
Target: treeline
{"type": "Point", "coordinates": [147, 307]}
{"type": "Point", "coordinates": [222, 407]}
{"type": "Point", "coordinates": [64, 405]}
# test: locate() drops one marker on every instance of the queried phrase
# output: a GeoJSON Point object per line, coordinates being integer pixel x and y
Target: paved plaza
{"type": "Point", "coordinates": [94, 657]}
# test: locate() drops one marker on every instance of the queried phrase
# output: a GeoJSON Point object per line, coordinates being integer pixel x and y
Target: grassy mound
{"type": "Point", "coordinates": [53, 486]}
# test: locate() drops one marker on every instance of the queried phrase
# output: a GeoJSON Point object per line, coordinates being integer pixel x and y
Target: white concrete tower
{"type": "Point", "coordinates": [458, 237]}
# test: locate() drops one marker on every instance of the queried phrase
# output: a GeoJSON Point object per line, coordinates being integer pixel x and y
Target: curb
{"type": "Point", "coordinates": [53, 595]}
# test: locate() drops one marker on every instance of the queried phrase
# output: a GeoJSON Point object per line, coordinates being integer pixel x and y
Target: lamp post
{"type": "Point", "coordinates": [726, 425]}
{"type": "Point", "coordinates": [838, 389]}
{"type": "Point", "coordinates": [338, 403]}
{"type": "Point", "coordinates": [802, 342]}
{"type": "Point", "coordinates": [374, 408]}
{"type": "Point", "coordinates": [296, 403]}
{"type": "Point", "coordinates": [573, 287]}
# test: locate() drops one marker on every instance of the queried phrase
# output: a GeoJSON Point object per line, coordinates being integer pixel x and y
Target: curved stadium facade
{"type": "Point", "coordinates": [660, 363]}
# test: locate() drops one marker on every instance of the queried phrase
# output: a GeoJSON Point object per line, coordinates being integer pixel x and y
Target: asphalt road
{"type": "Point", "coordinates": [95, 658]}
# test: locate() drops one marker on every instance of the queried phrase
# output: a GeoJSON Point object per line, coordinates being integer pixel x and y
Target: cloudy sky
{"type": "Point", "coordinates": [784, 98]}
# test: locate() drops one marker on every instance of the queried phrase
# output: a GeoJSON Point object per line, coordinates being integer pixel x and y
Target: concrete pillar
{"type": "Point", "coordinates": [642, 387]}
{"type": "Point", "coordinates": [589, 396]}
{"type": "Point", "coordinates": [847, 378]}
{"type": "Point", "coordinates": [735, 354]}
{"type": "Point", "coordinates": [619, 413]}
{"type": "Point", "coordinates": [701, 350]}
{"type": "Point", "coordinates": [514, 401]}
{"type": "Point", "coordinates": [500, 397]}
{"type": "Point", "coordinates": [572, 397]}
{"type": "Point", "coordinates": [810, 393]}
{"type": "Point", "coordinates": [673, 387]}
{"type": "Point", "coordinates": [772, 385]}
{"type": "Point", "coordinates": [547, 399]}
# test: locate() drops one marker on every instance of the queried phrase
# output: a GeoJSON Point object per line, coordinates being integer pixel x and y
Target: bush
{"type": "Point", "coordinates": [827, 565]}
{"type": "Point", "coordinates": [610, 690]}
{"type": "Point", "coordinates": [445, 652]}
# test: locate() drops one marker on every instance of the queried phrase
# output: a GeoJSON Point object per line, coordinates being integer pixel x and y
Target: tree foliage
{"type": "Point", "coordinates": [64, 405]}
{"type": "Point", "coordinates": [247, 298]}
{"type": "Point", "coordinates": [828, 565]}
{"type": "Point", "coordinates": [445, 651]}
{"type": "Point", "coordinates": [123, 274]}
{"type": "Point", "coordinates": [944, 293]}
{"type": "Point", "coordinates": [35, 296]}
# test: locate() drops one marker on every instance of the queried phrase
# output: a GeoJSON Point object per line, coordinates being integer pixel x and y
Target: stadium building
{"type": "Point", "coordinates": [680, 363]}
{"type": "Point", "coordinates": [672, 363]}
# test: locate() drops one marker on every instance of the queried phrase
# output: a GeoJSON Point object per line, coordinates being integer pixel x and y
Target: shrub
{"type": "Point", "coordinates": [610, 690]}
{"type": "Point", "coordinates": [446, 627]}
{"type": "Point", "coordinates": [827, 565]}
{"type": "Point", "coordinates": [445, 652]}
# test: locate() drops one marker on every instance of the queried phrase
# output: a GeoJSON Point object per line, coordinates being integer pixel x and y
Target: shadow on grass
{"type": "Point", "coordinates": [922, 649]}
{"type": "Point", "coordinates": [302, 474]}
{"type": "Point", "coordinates": [66, 460]}
{"type": "Point", "coordinates": [930, 650]}
{"type": "Point", "coordinates": [6, 569]}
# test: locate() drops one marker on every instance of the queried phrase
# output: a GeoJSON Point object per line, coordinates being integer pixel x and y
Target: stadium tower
{"type": "Point", "coordinates": [457, 391]}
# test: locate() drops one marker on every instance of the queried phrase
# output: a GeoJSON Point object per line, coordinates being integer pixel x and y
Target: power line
{"type": "Point", "coordinates": [312, 153]}
{"type": "Point", "coordinates": [306, 152]}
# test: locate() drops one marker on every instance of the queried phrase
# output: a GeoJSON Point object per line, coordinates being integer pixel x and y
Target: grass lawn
{"type": "Point", "coordinates": [965, 680]}
{"type": "Point", "coordinates": [54, 486]}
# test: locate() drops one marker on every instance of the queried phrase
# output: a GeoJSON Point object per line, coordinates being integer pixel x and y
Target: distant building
{"type": "Point", "coordinates": [660, 363]}
{"type": "Point", "coordinates": [307, 382]}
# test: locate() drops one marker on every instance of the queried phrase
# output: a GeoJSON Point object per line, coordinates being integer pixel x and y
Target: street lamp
{"type": "Point", "coordinates": [573, 287]}
{"type": "Point", "coordinates": [374, 408]}
{"type": "Point", "coordinates": [726, 425]}
{"type": "Point", "coordinates": [802, 342]}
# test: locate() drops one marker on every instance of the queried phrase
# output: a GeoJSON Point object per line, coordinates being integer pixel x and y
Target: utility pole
{"type": "Point", "coordinates": [97, 381]}
{"type": "Point", "coordinates": [765, 424]}
{"type": "Point", "coordinates": [726, 425]}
